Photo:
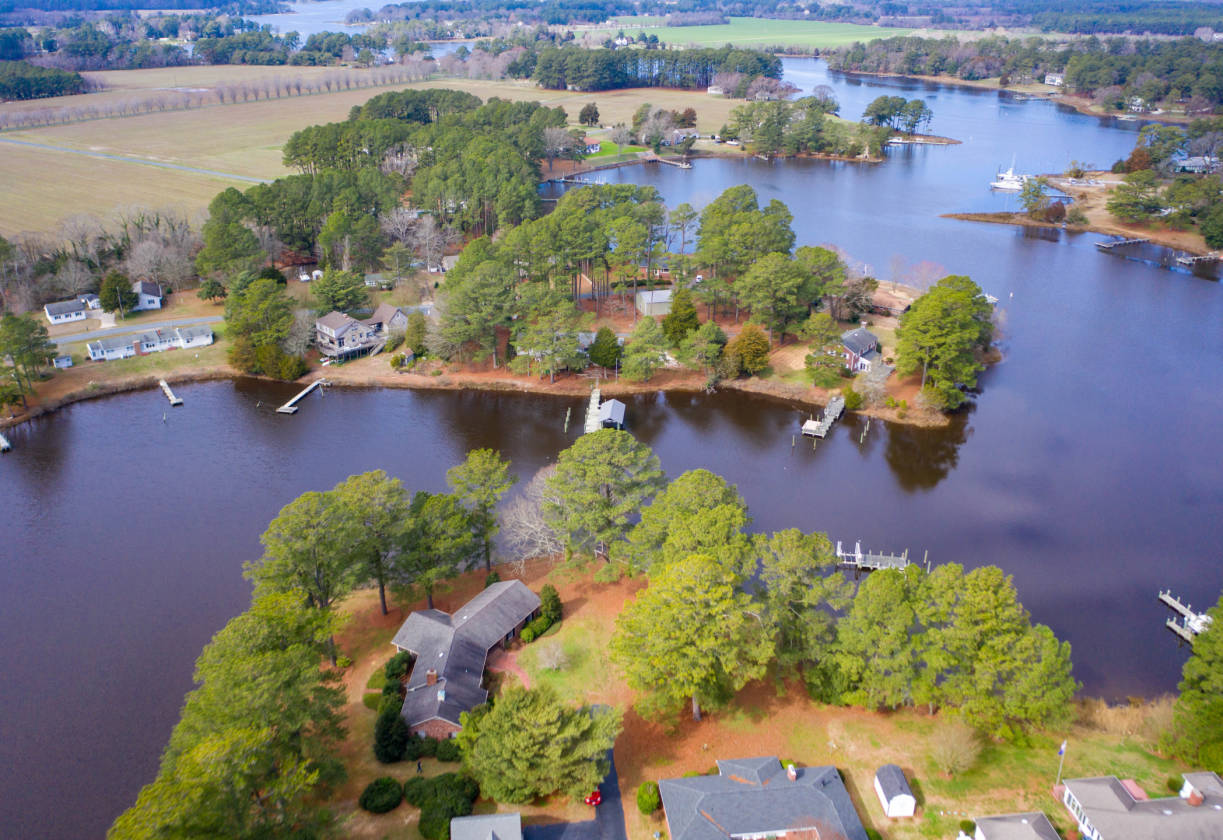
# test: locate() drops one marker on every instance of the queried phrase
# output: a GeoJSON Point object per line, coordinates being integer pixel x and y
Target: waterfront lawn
{"type": "Point", "coordinates": [755, 32]}
{"type": "Point", "coordinates": [162, 363]}
{"type": "Point", "coordinates": [609, 149]}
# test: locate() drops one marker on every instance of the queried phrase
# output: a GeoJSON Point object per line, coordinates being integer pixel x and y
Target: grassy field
{"type": "Point", "coordinates": [754, 32]}
{"type": "Point", "coordinates": [39, 187]}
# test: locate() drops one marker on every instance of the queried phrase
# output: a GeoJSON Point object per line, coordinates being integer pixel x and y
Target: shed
{"type": "Point", "coordinates": [893, 791]}
{"type": "Point", "coordinates": [654, 302]}
{"type": "Point", "coordinates": [62, 362]}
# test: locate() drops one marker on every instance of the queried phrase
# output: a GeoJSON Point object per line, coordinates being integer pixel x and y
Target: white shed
{"type": "Point", "coordinates": [655, 302]}
{"type": "Point", "coordinates": [893, 791]}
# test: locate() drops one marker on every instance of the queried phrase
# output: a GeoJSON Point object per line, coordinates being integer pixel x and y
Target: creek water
{"type": "Point", "coordinates": [1089, 468]}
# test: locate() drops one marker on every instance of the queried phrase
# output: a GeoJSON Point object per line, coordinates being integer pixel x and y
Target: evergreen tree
{"type": "Point", "coordinates": [691, 635]}
{"type": "Point", "coordinates": [749, 350]}
{"type": "Point", "coordinates": [682, 320]}
{"type": "Point", "coordinates": [339, 291]}
{"type": "Point", "coordinates": [116, 295]}
{"type": "Point", "coordinates": [1197, 730]}
{"type": "Point", "coordinates": [589, 115]}
{"type": "Point", "coordinates": [605, 350]}
{"type": "Point", "coordinates": [646, 351]}
{"type": "Point", "coordinates": [481, 481]}
{"type": "Point", "coordinates": [940, 335]}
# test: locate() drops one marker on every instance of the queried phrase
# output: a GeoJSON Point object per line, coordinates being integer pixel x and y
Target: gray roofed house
{"type": "Point", "coordinates": [1031, 826]}
{"type": "Point", "coordinates": [1107, 808]}
{"type": "Point", "coordinates": [340, 335]}
{"type": "Point", "coordinates": [756, 797]}
{"type": "Point", "coordinates": [447, 677]}
{"type": "Point", "coordinates": [66, 310]}
{"type": "Point", "coordinates": [387, 319]}
{"type": "Point", "coordinates": [860, 349]}
{"type": "Point", "coordinates": [487, 827]}
{"type": "Point", "coordinates": [148, 295]}
{"type": "Point", "coordinates": [893, 791]}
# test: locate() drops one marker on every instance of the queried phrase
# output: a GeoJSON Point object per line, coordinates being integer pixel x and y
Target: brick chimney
{"type": "Point", "coordinates": [791, 773]}
{"type": "Point", "coordinates": [1194, 798]}
{"type": "Point", "coordinates": [431, 677]}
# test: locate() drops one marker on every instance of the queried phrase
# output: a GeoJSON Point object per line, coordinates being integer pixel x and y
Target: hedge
{"type": "Point", "coordinates": [448, 750]}
{"type": "Point", "coordinates": [381, 795]}
{"type": "Point", "coordinates": [390, 736]}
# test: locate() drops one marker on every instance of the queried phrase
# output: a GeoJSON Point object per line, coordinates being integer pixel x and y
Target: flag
{"type": "Point", "coordinates": [1062, 749]}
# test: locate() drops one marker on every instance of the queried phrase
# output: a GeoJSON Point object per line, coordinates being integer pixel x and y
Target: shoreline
{"type": "Point", "coordinates": [359, 376]}
{"type": "Point", "coordinates": [1035, 90]}
{"type": "Point", "coordinates": [1165, 239]}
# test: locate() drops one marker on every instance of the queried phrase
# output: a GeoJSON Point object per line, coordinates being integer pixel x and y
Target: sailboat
{"type": "Point", "coordinates": [1008, 180]}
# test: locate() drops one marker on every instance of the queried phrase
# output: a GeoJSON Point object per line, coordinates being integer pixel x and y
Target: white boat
{"type": "Point", "coordinates": [1009, 181]}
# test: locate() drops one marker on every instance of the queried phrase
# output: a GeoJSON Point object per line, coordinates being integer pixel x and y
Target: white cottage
{"type": "Point", "coordinates": [148, 295]}
{"type": "Point", "coordinates": [66, 311]}
{"type": "Point", "coordinates": [893, 792]}
{"type": "Point", "coordinates": [654, 302]}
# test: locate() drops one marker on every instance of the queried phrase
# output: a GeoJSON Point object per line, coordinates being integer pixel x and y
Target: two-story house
{"type": "Point", "coordinates": [339, 336]}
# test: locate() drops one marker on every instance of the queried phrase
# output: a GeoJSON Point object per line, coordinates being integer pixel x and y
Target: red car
{"type": "Point", "coordinates": [595, 798]}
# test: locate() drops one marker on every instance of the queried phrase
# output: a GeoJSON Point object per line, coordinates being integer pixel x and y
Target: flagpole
{"type": "Point", "coordinates": [1061, 761]}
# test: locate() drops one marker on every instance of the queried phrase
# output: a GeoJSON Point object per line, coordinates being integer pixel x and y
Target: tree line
{"type": "Point", "coordinates": [582, 69]}
{"type": "Point", "coordinates": [1185, 70]}
{"type": "Point", "coordinates": [22, 80]}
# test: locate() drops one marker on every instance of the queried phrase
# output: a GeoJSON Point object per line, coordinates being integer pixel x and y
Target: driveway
{"type": "Point", "coordinates": [134, 328]}
{"type": "Point", "coordinates": [608, 823]}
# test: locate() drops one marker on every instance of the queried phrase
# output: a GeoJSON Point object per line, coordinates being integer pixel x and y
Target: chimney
{"type": "Point", "coordinates": [791, 773]}
{"type": "Point", "coordinates": [431, 677]}
{"type": "Point", "coordinates": [1194, 798]}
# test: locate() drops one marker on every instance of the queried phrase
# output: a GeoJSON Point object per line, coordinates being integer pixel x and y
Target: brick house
{"type": "Point", "coordinates": [447, 677]}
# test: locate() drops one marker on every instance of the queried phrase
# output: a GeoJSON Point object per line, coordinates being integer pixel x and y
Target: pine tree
{"type": "Point", "coordinates": [682, 320]}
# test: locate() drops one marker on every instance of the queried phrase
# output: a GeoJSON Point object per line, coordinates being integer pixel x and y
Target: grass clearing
{"type": "Point", "coordinates": [752, 32]}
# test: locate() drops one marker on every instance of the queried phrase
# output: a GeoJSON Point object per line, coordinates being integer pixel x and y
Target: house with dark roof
{"type": "Point", "coordinates": [387, 320]}
{"type": "Point", "coordinates": [1030, 826]}
{"type": "Point", "coordinates": [860, 349]}
{"type": "Point", "coordinates": [1108, 808]}
{"type": "Point", "coordinates": [65, 311]}
{"type": "Point", "coordinates": [755, 798]}
{"type": "Point", "coordinates": [893, 791]}
{"type": "Point", "coordinates": [148, 295]}
{"type": "Point", "coordinates": [487, 827]}
{"type": "Point", "coordinates": [447, 677]}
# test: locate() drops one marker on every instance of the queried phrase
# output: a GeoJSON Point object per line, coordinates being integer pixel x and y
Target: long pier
{"type": "Point", "coordinates": [832, 411]}
{"type": "Point", "coordinates": [291, 406]}
{"type": "Point", "coordinates": [860, 560]}
{"type": "Point", "coordinates": [1187, 624]}
{"type": "Point", "coordinates": [1105, 246]}
{"type": "Point", "coordinates": [165, 389]}
{"type": "Point", "coordinates": [593, 422]}
{"type": "Point", "coordinates": [5, 446]}
{"type": "Point", "coordinates": [682, 164]}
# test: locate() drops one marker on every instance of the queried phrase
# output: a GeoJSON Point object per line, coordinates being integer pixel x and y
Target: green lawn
{"type": "Point", "coordinates": [586, 670]}
{"type": "Point", "coordinates": [163, 362]}
{"type": "Point", "coordinates": [609, 149]}
{"type": "Point", "coordinates": [760, 32]}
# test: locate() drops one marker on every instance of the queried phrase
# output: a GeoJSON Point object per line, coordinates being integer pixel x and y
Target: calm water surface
{"type": "Point", "coordinates": [1089, 470]}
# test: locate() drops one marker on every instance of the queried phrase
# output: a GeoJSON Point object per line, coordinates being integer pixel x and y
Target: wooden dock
{"type": "Point", "coordinates": [1187, 624]}
{"type": "Point", "coordinates": [165, 389]}
{"type": "Point", "coordinates": [867, 561]}
{"type": "Point", "coordinates": [291, 406]}
{"type": "Point", "coordinates": [5, 446]}
{"type": "Point", "coordinates": [682, 164]}
{"type": "Point", "coordinates": [1191, 260]}
{"type": "Point", "coordinates": [832, 411]}
{"type": "Point", "coordinates": [1105, 246]}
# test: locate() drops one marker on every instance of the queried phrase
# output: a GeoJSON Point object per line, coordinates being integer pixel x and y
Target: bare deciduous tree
{"type": "Point", "coordinates": [956, 749]}
{"type": "Point", "coordinates": [523, 529]}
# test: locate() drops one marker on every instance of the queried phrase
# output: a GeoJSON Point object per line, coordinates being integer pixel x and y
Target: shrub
{"type": "Point", "coordinates": [550, 603]}
{"type": "Point", "coordinates": [381, 795]}
{"type": "Point", "coordinates": [527, 635]}
{"type": "Point", "coordinates": [435, 823]}
{"type": "Point", "coordinates": [398, 360]}
{"type": "Point", "coordinates": [440, 799]}
{"type": "Point", "coordinates": [398, 666]}
{"type": "Point", "coordinates": [372, 701]}
{"type": "Point", "coordinates": [957, 749]}
{"type": "Point", "coordinates": [448, 750]}
{"type": "Point", "coordinates": [853, 400]}
{"type": "Point", "coordinates": [648, 798]}
{"type": "Point", "coordinates": [1075, 216]}
{"type": "Point", "coordinates": [1174, 784]}
{"type": "Point", "coordinates": [428, 747]}
{"type": "Point", "coordinates": [390, 736]}
{"type": "Point", "coordinates": [491, 578]}
{"type": "Point", "coordinates": [388, 703]}
{"type": "Point", "coordinates": [392, 688]}
{"type": "Point", "coordinates": [968, 827]}
{"type": "Point", "coordinates": [872, 834]}
{"type": "Point", "coordinates": [343, 661]}
{"type": "Point", "coordinates": [376, 680]}
{"type": "Point", "coordinates": [540, 625]}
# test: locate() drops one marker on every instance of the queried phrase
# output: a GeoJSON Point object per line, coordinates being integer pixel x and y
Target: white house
{"type": "Point", "coordinates": [65, 311]}
{"type": "Point", "coordinates": [654, 302]}
{"type": "Point", "coordinates": [90, 300]}
{"type": "Point", "coordinates": [62, 362]}
{"type": "Point", "coordinates": [1055, 79]}
{"type": "Point", "coordinates": [150, 341]}
{"type": "Point", "coordinates": [1108, 808]}
{"type": "Point", "coordinates": [893, 792]}
{"type": "Point", "coordinates": [1031, 826]}
{"type": "Point", "coordinates": [148, 295]}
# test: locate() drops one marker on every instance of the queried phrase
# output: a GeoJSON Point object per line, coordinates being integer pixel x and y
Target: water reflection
{"type": "Point", "coordinates": [921, 458]}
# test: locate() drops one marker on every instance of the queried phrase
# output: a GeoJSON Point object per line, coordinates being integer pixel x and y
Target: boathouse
{"type": "Point", "coordinates": [447, 676]}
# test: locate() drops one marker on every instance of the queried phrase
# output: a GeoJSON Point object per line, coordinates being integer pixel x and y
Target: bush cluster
{"type": "Point", "coordinates": [440, 799]}
{"type": "Point", "coordinates": [535, 629]}
{"type": "Point", "coordinates": [398, 666]}
{"type": "Point", "coordinates": [550, 603]}
{"type": "Point", "coordinates": [648, 798]}
{"type": "Point", "coordinates": [381, 795]}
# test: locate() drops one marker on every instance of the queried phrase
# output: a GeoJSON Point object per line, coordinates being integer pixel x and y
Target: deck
{"type": "Point", "coordinates": [868, 561]}
{"type": "Point", "coordinates": [832, 411]}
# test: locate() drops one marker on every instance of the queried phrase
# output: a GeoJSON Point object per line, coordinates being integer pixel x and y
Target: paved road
{"type": "Point", "coordinates": [124, 159]}
{"type": "Point", "coordinates": [608, 823]}
{"type": "Point", "coordinates": [133, 327]}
